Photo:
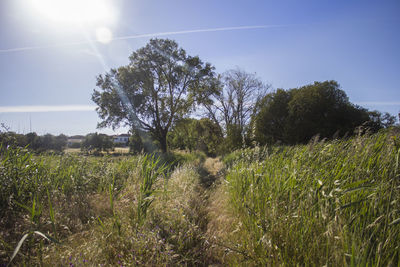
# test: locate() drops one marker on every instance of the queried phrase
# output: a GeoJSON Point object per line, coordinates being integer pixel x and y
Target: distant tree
{"type": "Point", "coordinates": [9, 138]}
{"type": "Point", "coordinates": [233, 106]}
{"type": "Point", "coordinates": [136, 142]}
{"type": "Point", "coordinates": [97, 142]}
{"type": "Point", "coordinates": [47, 142]}
{"type": "Point", "coordinates": [203, 135]}
{"type": "Point", "coordinates": [161, 84]}
{"type": "Point", "coordinates": [378, 120]}
{"type": "Point", "coordinates": [33, 140]}
{"type": "Point", "coordinates": [59, 142]}
{"type": "Point", "coordinates": [296, 115]}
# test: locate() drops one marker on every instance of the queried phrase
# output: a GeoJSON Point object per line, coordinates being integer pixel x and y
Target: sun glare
{"type": "Point", "coordinates": [103, 35]}
{"type": "Point", "coordinates": [75, 11]}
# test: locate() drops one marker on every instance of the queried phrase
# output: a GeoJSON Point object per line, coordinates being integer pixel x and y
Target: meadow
{"type": "Point", "coordinates": [324, 203]}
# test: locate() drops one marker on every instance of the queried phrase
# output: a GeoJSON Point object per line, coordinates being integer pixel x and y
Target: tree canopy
{"type": "Point", "coordinates": [296, 115]}
{"type": "Point", "coordinates": [191, 134]}
{"type": "Point", "coordinates": [97, 142]}
{"type": "Point", "coordinates": [159, 85]}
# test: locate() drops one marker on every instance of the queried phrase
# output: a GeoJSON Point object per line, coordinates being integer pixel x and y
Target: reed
{"type": "Point", "coordinates": [325, 203]}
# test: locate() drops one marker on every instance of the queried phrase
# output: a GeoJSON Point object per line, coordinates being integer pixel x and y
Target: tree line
{"type": "Point", "coordinates": [171, 100]}
{"type": "Point", "coordinates": [162, 87]}
{"type": "Point", "coordinates": [33, 141]}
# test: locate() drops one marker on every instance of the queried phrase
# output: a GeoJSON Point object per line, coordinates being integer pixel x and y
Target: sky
{"type": "Point", "coordinates": [52, 50]}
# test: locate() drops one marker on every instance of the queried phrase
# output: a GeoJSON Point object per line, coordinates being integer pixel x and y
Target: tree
{"type": "Point", "coordinates": [161, 84]}
{"type": "Point", "coordinates": [97, 142]}
{"type": "Point", "coordinates": [135, 142]}
{"type": "Point", "coordinates": [296, 115]}
{"type": "Point", "coordinates": [203, 135]}
{"type": "Point", "coordinates": [377, 120]}
{"type": "Point", "coordinates": [235, 103]}
{"type": "Point", "coordinates": [272, 121]}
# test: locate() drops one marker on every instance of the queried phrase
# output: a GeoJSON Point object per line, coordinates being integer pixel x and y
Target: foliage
{"type": "Point", "coordinates": [160, 84]}
{"type": "Point", "coordinates": [135, 143]}
{"type": "Point", "coordinates": [170, 234]}
{"type": "Point", "coordinates": [296, 115]}
{"type": "Point", "coordinates": [97, 142]}
{"type": "Point", "coordinates": [55, 195]}
{"type": "Point", "coordinates": [34, 142]}
{"type": "Point", "coordinates": [377, 120]}
{"type": "Point", "coordinates": [191, 134]}
{"type": "Point", "coordinates": [152, 169]}
{"type": "Point", "coordinates": [333, 203]}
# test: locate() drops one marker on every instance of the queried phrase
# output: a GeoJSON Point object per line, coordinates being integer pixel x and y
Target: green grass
{"type": "Point", "coordinates": [54, 194]}
{"type": "Point", "coordinates": [61, 209]}
{"type": "Point", "coordinates": [326, 203]}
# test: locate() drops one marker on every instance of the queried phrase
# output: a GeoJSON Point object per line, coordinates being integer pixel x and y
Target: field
{"type": "Point", "coordinates": [325, 203]}
{"type": "Point", "coordinates": [117, 150]}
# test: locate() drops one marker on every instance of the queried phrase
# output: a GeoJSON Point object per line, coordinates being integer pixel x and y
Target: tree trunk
{"type": "Point", "coordinates": [163, 143]}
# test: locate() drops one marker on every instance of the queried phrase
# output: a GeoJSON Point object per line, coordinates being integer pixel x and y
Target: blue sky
{"type": "Point", "coordinates": [49, 64]}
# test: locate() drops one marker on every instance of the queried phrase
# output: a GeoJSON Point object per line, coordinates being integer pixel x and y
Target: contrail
{"type": "Point", "coordinates": [19, 109]}
{"type": "Point", "coordinates": [28, 48]}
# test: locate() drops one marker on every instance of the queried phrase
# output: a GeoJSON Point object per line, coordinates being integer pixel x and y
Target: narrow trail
{"type": "Point", "coordinates": [211, 174]}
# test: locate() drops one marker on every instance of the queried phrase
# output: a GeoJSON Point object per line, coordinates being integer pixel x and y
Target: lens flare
{"type": "Point", "coordinates": [75, 11]}
{"type": "Point", "coordinates": [103, 35]}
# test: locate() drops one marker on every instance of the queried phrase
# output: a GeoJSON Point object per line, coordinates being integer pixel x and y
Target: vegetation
{"type": "Point", "coordinates": [234, 104]}
{"type": "Point", "coordinates": [324, 190]}
{"type": "Point", "coordinates": [97, 142]}
{"type": "Point", "coordinates": [161, 84]}
{"type": "Point", "coordinates": [33, 141]}
{"type": "Point", "coordinates": [296, 115]}
{"type": "Point", "coordinates": [201, 135]}
{"type": "Point", "coordinates": [325, 203]}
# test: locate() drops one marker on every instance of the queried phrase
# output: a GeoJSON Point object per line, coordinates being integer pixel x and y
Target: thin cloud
{"type": "Point", "coordinates": [61, 108]}
{"type": "Point", "coordinates": [127, 37]}
{"type": "Point", "coordinates": [378, 103]}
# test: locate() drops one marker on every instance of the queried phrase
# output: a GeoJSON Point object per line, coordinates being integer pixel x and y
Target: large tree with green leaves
{"type": "Point", "coordinates": [159, 85]}
{"type": "Point", "coordinates": [296, 115]}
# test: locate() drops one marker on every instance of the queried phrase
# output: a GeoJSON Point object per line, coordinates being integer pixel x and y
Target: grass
{"type": "Point", "coordinates": [326, 203]}
{"type": "Point", "coordinates": [100, 210]}
{"type": "Point", "coordinates": [53, 194]}
{"type": "Point", "coordinates": [170, 234]}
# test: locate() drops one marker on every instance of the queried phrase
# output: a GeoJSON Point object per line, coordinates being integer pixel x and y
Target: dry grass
{"type": "Point", "coordinates": [72, 150]}
{"type": "Point", "coordinates": [121, 150]}
{"type": "Point", "coordinates": [172, 233]}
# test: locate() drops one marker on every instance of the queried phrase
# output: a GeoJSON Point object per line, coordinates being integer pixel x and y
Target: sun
{"type": "Point", "coordinates": [75, 11]}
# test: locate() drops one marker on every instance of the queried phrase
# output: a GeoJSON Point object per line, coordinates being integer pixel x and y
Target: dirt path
{"type": "Point", "coordinates": [222, 223]}
{"type": "Point", "coordinates": [210, 172]}
{"type": "Point", "coordinates": [211, 175]}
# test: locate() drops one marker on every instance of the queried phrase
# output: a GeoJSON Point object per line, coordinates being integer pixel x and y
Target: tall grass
{"type": "Point", "coordinates": [326, 203]}
{"type": "Point", "coordinates": [151, 170]}
{"type": "Point", "coordinates": [102, 210]}
{"type": "Point", "coordinates": [52, 195]}
{"type": "Point", "coordinates": [161, 223]}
